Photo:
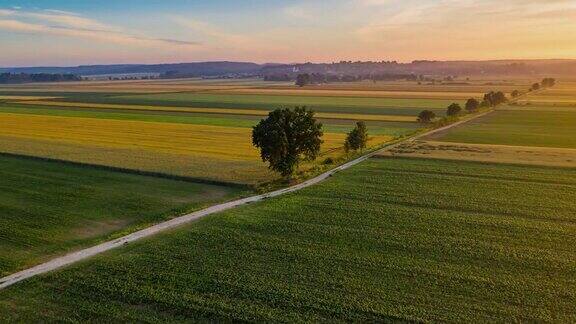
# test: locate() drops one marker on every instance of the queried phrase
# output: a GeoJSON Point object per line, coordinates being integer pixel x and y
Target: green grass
{"type": "Point", "coordinates": [331, 126]}
{"type": "Point", "coordinates": [364, 105]}
{"type": "Point", "coordinates": [390, 239]}
{"type": "Point", "coordinates": [49, 208]}
{"type": "Point", "coordinates": [522, 128]}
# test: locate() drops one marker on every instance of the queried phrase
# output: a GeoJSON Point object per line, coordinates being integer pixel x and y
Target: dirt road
{"type": "Point", "coordinates": [84, 254]}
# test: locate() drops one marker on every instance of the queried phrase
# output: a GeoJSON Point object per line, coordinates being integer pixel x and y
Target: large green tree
{"type": "Point", "coordinates": [357, 138]}
{"type": "Point", "coordinates": [288, 137]}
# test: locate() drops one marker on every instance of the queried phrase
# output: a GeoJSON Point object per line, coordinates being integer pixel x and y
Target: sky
{"type": "Point", "coordinates": [66, 33]}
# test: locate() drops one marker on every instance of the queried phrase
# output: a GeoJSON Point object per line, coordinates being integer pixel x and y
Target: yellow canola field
{"type": "Point", "coordinates": [225, 111]}
{"type": "Point", "coordinates": [229, 143]}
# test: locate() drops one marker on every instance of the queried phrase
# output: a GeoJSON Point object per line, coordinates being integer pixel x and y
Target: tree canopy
{"type": "Point", "coordinates": [357, 138]}
{"type": "Point", "coordinates": [288, 137]}
{"type": "Point", "coordinates": [493, 99]}
{"type": "Point", "coordinates": [426, 116]}
{"type": "Point", "coordinates": [472, 105]}
{"type": "Point", "coordinates": [303, 79]}
{"type": "Point", "coordinates": [454, 110]}
{"type": "Point", "coordinates": [7, 78]}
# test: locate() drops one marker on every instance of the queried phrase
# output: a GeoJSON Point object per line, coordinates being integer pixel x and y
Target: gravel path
{"type": "Point", "coordinates": [74, 257]}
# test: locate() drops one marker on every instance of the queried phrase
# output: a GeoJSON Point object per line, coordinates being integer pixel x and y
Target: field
{"type": "Point", "coordinates": [406, 239]}
{"type": "Point", "coordinates": [198, 128]}
{"type": "Point", "coordinates": [50, 208]}
{"type": "Point", "coordinates": [527, 123]}
{"type": "Point", "coordinates": [196, 151]}
{"type": "Point", "coordinates": [520, 128]}
{"type": "Point", "coordinates": [550, 156]}
{"type": "Point", "coordinates": [473, 224]}
{"type": "Point", "coordinates": [335, 104]}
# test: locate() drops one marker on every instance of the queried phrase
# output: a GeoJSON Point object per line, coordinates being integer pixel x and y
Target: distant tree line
{"type": "Point", "coordinates": [15, 78]}
{"type": "Point", "coordinates": [545, 83]}
{"type": "Point", "coordinates": [303, 79]}
{"type": "Point", "coordinates": [491, 99]}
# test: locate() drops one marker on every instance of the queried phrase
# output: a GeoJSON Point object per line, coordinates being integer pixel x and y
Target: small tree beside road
{"type": "Point", "coordinates": [426, 116]}
{"type": "Point", "coordinates": [472, 105]}
{"type": "Point", "coordinates": [454, 110]}
{"type": "Point", "coordinates": [357, 138]}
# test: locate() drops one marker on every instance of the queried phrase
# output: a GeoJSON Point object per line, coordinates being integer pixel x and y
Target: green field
{"type": "Point", "coordinates": [360, 105]}
{"type": "Point", "coordinates": [48, 208]}
{"type": "Point", "coordinates": [521, 128]}
{"type": "Point", "coordinates": [390, 239]}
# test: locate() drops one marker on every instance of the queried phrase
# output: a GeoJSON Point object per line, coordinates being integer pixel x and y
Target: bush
{"type": "Point", "coordinates": [472, 105]}
{"type": "Point", "coordinates": [426, 116]}
{"type": "Point", "coordinates": [328, 161]}
{"type": "Point", "coordinates": [454, 110]}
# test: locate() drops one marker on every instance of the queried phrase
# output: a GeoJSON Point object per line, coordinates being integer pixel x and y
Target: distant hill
{"type": "Point", "coordinates": [189, 69]}
{"type": "Point", "coordinates": [214, 69]}
{"type": "Point", "coordinates": [446, 68]}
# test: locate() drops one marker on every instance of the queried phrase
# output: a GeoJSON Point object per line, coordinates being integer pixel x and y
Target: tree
{"type": "Point", "coordinates": [453, 110]}
{"type": "Point", "coordinates": [499, 98]}
{"type": "Point", "coordinates": [303, 79]}
{"type": "Point", "coordinates": [515, 94]}
{"type": "Point", "coordinates": [288, 137]}
{"type": "Point", "coordinates": [357, 138]}
{"type": "Point", "coordinates": [472, 105]}
{"type": "Point", "coordinates": [494, 99]}
{"type": "Point", "coordinates": [426, 116]}
{"type": "Point", "coordinates": [535, 86]}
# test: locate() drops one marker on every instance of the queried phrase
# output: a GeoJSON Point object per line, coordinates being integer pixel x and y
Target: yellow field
{"type": "Point", "coordinates": [486, 153]}
{"type": "Point", "coordinates": [208, 152]}
{"type": "Point", "coordinates": [225, 111]}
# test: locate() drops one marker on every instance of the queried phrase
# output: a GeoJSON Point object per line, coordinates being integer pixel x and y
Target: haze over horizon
{"type": "Point", "coordinates": [57, 32]}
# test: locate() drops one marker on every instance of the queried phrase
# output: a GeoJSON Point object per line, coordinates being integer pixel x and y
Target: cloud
{"type": "Point", "coordinates": [460, 29]}
{"type": "Point", "coordinates": [68, 24]}
{"type": "Point", "coordinates": [451, 16]}
{"type": "Point", "coordinates": [6, 12]}
{"type": "Point", "coordinates": [212, 31]}
{"type": "Point", "coordinates": [298, 12]}
{"type": "Point", "coordinates": [373, 2]}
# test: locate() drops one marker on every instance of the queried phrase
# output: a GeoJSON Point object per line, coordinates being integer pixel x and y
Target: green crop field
{"type": "Point", "coordinates": [48, 208]}
{"type": "Point", "coordinates": [522, 128]}
{"type": "Point", "coordinates": [389, 240]}
{"type": "Point", "coordinates": [359, 105]}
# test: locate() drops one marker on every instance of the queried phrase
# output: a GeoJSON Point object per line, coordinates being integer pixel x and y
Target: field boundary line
{"type": "Point", "coordinates": [143, 173]}
{"type": "Point", "coordinates": [81, 255]}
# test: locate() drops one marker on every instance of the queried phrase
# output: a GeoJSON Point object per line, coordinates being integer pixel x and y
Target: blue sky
{"type": "Point", "coordinates": [57, 32]}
